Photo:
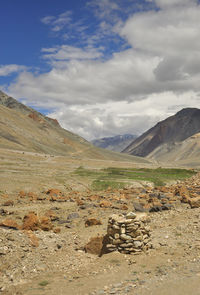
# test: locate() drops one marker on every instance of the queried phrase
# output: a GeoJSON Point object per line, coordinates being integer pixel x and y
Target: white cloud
{"type": "Point", "coordinates": [66, 52]}
{"type": "Point", "coordinates": [59, 22]}
{"type": "Point", "coordinates": [170, 3]}
{"type": "Point", "coordinates": [157, 76]}
{"type": "Point", "coordinates": [6, 70]}
{"type": "Point", "coordinates": [108, 119]}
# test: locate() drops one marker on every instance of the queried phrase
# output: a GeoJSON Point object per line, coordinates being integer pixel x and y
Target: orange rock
{"type": "Point", "coordinates": [8, 203]}
{"type": "Point", "coordinates": [79, 202]}
{"type": "Point", "coordinates": [31, 222]}
{"type": "Point", "coordinates": [33, 239]}
{"type": "Point", "coordinates": [54, 192]}
{"type": "Point", "coordinates": [22, 194]}
{"type": "Point", "coordinates": [92, 221]}
{"type": "Point", "coordinates": [183, 192]}
{"type": "Point", "coordinates": [32, 196]}
{"type": "Point", "coordinates": [105, 204]}
{"type": "Point", "coordinates": [194, 202]}
{"type": "Point", "coordinates": [36, 118]}
{"type": "Point", "coordinates": [57, 230]}
{"type": "Point", "coordinates": [9, 223]}
{"type": "Point", "coordinates": [45, 223]}
{"type": "Point", "coordinates": [97, 245]}
{"type": "Point", "coordinates": [124, 207]}
{"type": "Point", "coordinates": [93, 198]}
{"type": "Point", "coordinates": [51, 215]}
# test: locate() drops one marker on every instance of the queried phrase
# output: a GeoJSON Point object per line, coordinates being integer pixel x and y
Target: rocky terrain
{"type": "Point", "coordinates": [58, 235]}
{"type": "Point", "coordinates": [51, 240]}
{"type": "Point", "coordinates": [116, 143]}
{"type": "Point", "coordinates": [174, 140]}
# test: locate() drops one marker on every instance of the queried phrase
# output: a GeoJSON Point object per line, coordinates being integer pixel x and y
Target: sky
{"type": "Point", "coordinates": [102, 67]}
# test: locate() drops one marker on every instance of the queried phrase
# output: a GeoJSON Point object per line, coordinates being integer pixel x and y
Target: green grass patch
{"type": "Point", "coordinates": [120, 177]}
{"type": "Point", "coordinates": [43, 283]}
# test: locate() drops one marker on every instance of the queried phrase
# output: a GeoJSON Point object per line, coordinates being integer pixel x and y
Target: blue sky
{"type": "Point", "coordinates": [102, 67]}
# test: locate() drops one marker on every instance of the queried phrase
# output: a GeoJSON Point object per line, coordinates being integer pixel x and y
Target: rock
{"type": "Point", "coordinates": [73, 215]}
{"type": "Point", "coordinates": [131, 215]}
{"type": "Point", "coordinates": [57, 230]}
{"type": "Point", "coordinates": [51, 215]}
{"type": "Point", "coordinates": [33, 239]}
{"type": "Point", "coordinates": [194, 202]}
{"type": "Point", "coordinates": [9, 223]}
{"type": "Point", "coordinates": [54, 192]}
{"type": "Point", "coordinates": [125, 237]}
{"type": "Point", "coordinates": [45, 223]}
{"type": "Point", "coordinates": [92, 221]}
{"type": "Point", "coordinates": [8, 203]}
{"type": "Point", "coordinates": [22, 194]}
{"type": "Point", "coordinates": [138, 207]}
{"type": "Point", "coordinates": [137, 244]}
{"type": "Point", "coordinates": [155, 209]}
{"type": "Point", "coordinates": [105, 204]}
{"type": "Point", "coordinates": [124, 207]}
{"type": "Point", "coordinates": [3, 212]}
{"type": "Point", "coordinates": [97, 245]}
{"type": "Point", "coordinates": [31, 222]}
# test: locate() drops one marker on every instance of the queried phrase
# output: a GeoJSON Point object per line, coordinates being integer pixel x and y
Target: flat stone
{"type": "Point", "coordinates": [125, 237]}
{"type": "Point", "coordinates": [137, 244]}
{"type": "Point", "coordinates": [131, 215]}
{"type": "Point", "coordinates": [73, 215]}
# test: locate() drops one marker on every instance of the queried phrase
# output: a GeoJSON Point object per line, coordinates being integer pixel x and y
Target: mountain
{"type": "Point", "coordinates": [116, 143]}
{"type": "Point", "coordinates": [166, 135]}
{"type": "Point", "coordinates": [185, 153]}
{"type": "Point", "coordinates": [23, 128]}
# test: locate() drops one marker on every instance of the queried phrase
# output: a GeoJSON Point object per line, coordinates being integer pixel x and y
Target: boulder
{"type": "Point", "coordinates": [92, 221]}
{"type": "Point", "coordinates": [8, 203]}
{"type": "Point", "coordinates": [9, 223]}
{"type": "Point", "coordinates": [194, 202]}
{"type": "Point", "coordinates": [45, 223]}
{"type": "Point", "coordinates": [105, 204]}
{"type": "Point", "coordinates": [97, 245]}
{"type": "Point", "coordinates": [31, 222]}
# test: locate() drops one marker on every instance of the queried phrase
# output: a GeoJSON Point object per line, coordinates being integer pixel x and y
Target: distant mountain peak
{"type": "Point", "coordinates": [114, 143]}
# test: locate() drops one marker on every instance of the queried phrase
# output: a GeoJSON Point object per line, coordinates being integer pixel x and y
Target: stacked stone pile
{"type": "Point", "coordinates": [128, 234]}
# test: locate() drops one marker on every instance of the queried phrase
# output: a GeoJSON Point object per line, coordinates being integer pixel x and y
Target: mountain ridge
{"type": "Point", "coordinates": [114, 143]}
{"type": "Point", "coordinates": [176, 128]}
{"type": "Point", "coordinates": [23, 128]}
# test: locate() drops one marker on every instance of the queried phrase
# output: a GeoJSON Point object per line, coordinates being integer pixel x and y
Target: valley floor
{"type": "Point", "coordinates": [53, 260]}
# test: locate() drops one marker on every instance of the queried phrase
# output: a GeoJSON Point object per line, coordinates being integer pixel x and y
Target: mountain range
{"type": "Point", "coordinates": [23, 128]}
{"type": "Point", "coordinates": [115, 143]}
{"type": "Point", "coordinates": [175, 139]}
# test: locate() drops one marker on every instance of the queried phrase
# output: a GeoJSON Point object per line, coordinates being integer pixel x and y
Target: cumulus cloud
{"type": "Point", "coordinates": [170, 3]}
{"type": "Point", "coordinates": [133, 88]}
{"type": "Point", "coordinates": [109, 119]}
{"type": "Point", "coordinates": [6, 70]}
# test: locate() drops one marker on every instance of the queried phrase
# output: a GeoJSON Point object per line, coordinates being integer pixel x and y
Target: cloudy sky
{"type": "Point", "coordinates": [102, 67]}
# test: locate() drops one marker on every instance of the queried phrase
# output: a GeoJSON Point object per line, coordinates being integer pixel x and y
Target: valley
{"type": "Point", "coordinates": [58, 194]}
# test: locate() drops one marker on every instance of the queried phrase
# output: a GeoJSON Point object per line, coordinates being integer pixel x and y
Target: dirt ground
{"type": "Point", "coordinates": [53, 261]}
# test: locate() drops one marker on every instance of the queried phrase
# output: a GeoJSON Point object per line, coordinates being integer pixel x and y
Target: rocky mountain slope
{"type": "Point", "coordinates": [23, 128]}
{"type": "Point", "coordinates": [115, 143]}
{"type": "Point", "coordinates": [173, 139]}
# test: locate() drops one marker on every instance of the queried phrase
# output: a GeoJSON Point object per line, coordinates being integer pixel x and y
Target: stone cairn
{"type": "Point", "coordinates": [128, 234]}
